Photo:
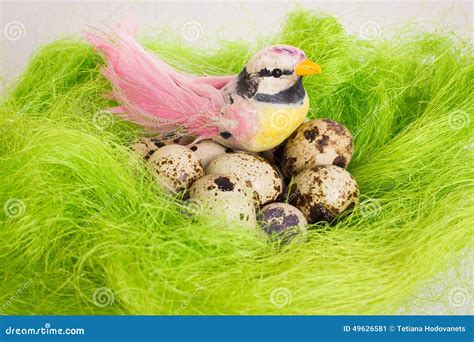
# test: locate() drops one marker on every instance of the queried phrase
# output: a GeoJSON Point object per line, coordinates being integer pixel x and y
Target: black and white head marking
{"type": "Point", "coordinates": [270, 77]}
{"type": "Point", "coordinates": [247, 84]}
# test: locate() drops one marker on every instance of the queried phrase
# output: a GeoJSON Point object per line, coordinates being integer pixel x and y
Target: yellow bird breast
{"type": "Point", "coordinates": [277, 122]}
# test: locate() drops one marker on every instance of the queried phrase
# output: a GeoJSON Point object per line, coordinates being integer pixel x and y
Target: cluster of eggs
{"type": "Point", "coordinates": [247, 189]}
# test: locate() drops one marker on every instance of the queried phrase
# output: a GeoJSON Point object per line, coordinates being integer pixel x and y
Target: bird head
{"type": "Point", "coordinates": [277, 68]}
{"type": "Point", "coordinates": [272, 78]}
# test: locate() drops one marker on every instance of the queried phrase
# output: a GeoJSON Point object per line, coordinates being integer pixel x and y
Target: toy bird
{"type": "Point", "coordinates": [255, 110]}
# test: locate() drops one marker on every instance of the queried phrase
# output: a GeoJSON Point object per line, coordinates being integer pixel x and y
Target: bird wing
{"type": "Point", "coordinates": [217, 82]}
{"type": "Point", "coordinates": [153, 94]}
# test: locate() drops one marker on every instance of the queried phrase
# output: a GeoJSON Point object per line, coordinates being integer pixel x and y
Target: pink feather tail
{"type": "Point", "coordinates": [153, 94]}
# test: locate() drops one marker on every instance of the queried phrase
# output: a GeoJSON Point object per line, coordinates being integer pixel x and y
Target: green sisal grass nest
{"type": "Point", "coordinates": [84, 228]}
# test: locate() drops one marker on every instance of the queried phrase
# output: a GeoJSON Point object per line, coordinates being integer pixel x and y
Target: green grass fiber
{"type": "Point", "coordinates": [82, 212]}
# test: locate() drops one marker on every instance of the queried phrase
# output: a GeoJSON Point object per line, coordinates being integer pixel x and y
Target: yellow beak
{"type": "Point", "coordinates": [307, 67]}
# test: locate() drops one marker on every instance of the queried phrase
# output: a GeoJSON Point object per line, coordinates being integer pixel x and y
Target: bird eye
{"type": "Point", "coordinates": [276, 72]}
{"type": "Point", "coordinates": [225, 134]}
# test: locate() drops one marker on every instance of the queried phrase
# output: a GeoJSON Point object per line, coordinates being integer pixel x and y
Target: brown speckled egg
{"type": "Point", "coordinates": [173, 138]}
{"type": "Point", "coordinates": [281, 220]}
{"type": "Point", "coordinates": [145, 147]}
{"type": "Point", "coordinates": [224, 197]}
{"type": "Point", "coordinates": [175, 167]}
{"type": "Point", "coordinates": [253, 171]}
{"type": "Point", "coordinates": [324, 192]}
{"type": "Point", "coordinates": [207, 150]}
{"type": "Point", "coordinates": [317, 142]}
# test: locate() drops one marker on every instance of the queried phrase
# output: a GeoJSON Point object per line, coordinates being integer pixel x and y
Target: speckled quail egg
{"type": "Point", "coordinates": [253, 171]}
{"type": "Point", "coordinates": [207, 150]}
{"type": "Point", "coordinates": [250, 153]}
{"type": "Point", "coordinates": [281, 220]}
{"type": "Point", "coordinates": [224, 197]}
{"type": "Point", "coordinates": [324, 192]}
{"type": "Point", "coordinates": [317, 142]}
{"type": "Point", "coordinates": [173, 138]}
{"type": "Point", "coordinates": [175, 167]}
{"type": "Point", "coordinates": [146, 146]}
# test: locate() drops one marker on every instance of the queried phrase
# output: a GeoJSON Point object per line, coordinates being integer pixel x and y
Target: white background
{"type": "Point", "coordinates": [28, 24]}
